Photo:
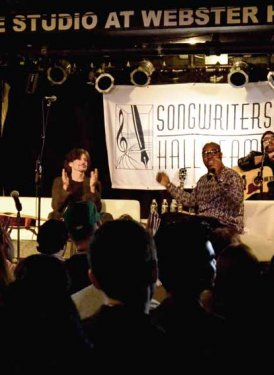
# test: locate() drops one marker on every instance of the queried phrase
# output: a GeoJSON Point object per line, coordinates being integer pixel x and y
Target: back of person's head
{"type": "Point", "coordinates": [237, 278]}
{"type": "Point", "coordinates": [237, 263]}
{"type": "Point", "coordinates": [39, 307]}
{"type": "Point", "coordinates": [75, 154]}
{"type": "Point", "coordinates": [122, 258]}
{"type": "Point", "coordinates": [185, 257]}
{"type": "Point", "coordinates": [81, 219]}
{"type": "Point", "coordinates": [42, 273]}
{"type": "Point", "coordinates": [52, 237]}
{"type": "Point", "coordinates": [221, 237]}
{"type": "Point", "coordinates": [125, 217]}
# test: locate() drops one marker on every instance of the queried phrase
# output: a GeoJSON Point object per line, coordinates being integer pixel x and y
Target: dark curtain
{"type": "Point", "coordinates": [75, 119]}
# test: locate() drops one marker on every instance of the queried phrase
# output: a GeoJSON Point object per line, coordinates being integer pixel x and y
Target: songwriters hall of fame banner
{"type": "Point", "coordinates": [164, 127]}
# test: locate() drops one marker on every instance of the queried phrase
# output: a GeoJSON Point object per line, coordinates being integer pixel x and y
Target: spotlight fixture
{"type": "Point", "coordinates": [238, 75]}
{"type": "Point", "coordinates": [101, 78]}
{"type": "Point", "coordinates": [58, 73]}
{"type": "Point", "coordinates": [141, 76]}
{"type": "Point", "coordinates": [270, 78]}
{"type": "Point", "coordinates": [104, 82]}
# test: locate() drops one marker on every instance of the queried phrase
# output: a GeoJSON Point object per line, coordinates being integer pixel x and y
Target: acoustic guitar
{"type": "Point", "coordinates": [251, 180]}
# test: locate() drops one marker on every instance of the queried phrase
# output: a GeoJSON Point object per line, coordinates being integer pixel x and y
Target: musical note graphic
{"type": "Point", "coordinates": [139, 134]}
{"type": "Point", "coordinates": [134, 137]}
{"type": "Point", "coordinates": [121, 140]}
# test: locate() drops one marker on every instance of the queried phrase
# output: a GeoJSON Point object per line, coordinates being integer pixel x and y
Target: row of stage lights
{"type": "Point", "coordinates": [104, 81]}
{"type": "Point", "coordinates": [101, 78]}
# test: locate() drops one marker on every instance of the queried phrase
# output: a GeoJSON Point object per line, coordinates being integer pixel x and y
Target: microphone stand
{"type": "Point", "coordinates": [38, 165]}
{"type": "Point", "coordinates": [38, 178]}
{"type": "Point", "coordinates": [260, 174]}
{"type": "Point", "coordinates": [18, 220]}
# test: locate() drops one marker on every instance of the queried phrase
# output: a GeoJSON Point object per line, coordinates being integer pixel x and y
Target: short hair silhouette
{"type": "Point", "coordinates": [52, 236]}
{"type": "Point", "coordinates": [122, 257]}
{"type": "Point", "coordinates": [184, 256]}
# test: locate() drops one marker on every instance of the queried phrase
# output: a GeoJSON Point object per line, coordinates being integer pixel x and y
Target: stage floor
{"type": "Point", "coordinates": [28, 247]}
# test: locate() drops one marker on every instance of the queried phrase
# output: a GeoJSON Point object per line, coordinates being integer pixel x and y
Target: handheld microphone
{"type": "Point", "coordinates": [211, 173]}
{"type": "Point", "coordinates": [265, 145]}
{"type": "Point", "coordinates": [15, 195]}
{"type": "Point", "coordinates": [51, 98]}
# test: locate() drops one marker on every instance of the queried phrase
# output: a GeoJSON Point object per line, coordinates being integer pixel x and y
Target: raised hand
{"type": "Point", "coordinates": [271, 155]}
{"type": "Point", "coordinates": [163, 179]}
{"type": "Point", "coordinates": [65, 179]}
{"type": "Point", "coordinates": [93, 180]}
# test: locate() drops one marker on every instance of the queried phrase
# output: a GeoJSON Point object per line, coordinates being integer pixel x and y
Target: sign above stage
{"type": "Point", "coordinates": [118, 33]}
{"type": "Point", "coordinates": [148, 131]}
{"type": "Point", "coordinates": [132, 18]}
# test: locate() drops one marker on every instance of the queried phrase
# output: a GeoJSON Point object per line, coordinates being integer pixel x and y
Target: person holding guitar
{"type": "Point", "coordinates": [259, 168]}
{"type": "Point", "coordinates": [218, 195]}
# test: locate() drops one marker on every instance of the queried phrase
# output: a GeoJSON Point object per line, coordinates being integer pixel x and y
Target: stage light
{"type": "Point", "coordinates": [104, 82]}
{"type": "Point", "coordinates": [141, 76]}
{"type": "Point", "coordinates": [238, 75]}
{"type": "Point", "coordinates": [58, 73]}
{"type": "Point", "coordinates": [270, 78]}
{"type": "Point", "coordinates": [101, 78]}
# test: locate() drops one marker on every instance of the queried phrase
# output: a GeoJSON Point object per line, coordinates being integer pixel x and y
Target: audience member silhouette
{"type": "Point", "coordinates": [237, 297]}
{"type": "Point", "coordinates": [186, 268]}
{"type": "Point", "coordinates": [52, 238]}
{"type": "Point", "coordinates": [123, 265]}
{"type": "Point", "coordinates": [42, 327]}
{"type": "Point", "coordinates": [222, 237]}
{"type": "Point", "coordinates": [237, 280]}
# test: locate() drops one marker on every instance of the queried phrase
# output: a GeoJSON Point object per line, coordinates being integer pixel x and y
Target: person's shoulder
{"type": "Point", "coordinates": [232, 172]}
{"type": "Point", "coordinates": [204, 177]}
{"type": "Point", "coordinates": [230, 169]}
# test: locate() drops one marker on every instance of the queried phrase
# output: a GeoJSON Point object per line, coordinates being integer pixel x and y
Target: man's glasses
{"type": "Point", "coordinates": [206, 154]}
{"type": "Point", "coordinates": [268, 139]}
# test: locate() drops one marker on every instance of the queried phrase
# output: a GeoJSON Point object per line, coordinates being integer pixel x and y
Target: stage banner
{"type": "Point", "coordinates": [164, 127]}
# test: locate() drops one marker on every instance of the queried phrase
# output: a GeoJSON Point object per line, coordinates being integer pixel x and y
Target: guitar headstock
{"type": "Point", "coordinates": [182, 174]}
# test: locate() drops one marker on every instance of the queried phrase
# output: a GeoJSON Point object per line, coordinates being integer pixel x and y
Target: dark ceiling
{"type": "Point", "coordinates": [169, 49]}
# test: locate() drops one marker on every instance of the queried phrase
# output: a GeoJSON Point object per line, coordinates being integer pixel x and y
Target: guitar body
{"type": "Point", "coordinates": [252, 182]}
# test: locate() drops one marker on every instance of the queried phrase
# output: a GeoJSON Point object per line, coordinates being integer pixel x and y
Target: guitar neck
{"type": "Point", "coordinates": [182, 177]}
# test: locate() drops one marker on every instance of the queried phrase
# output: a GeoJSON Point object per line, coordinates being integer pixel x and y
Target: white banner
{"type": "Point", "coordinates": [164, 127]}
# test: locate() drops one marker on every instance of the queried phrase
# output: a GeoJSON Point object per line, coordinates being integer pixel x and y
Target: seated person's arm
{"type": "Point", "coordinates": [251, 161]}
{"type": "Point", "coordinates": [59, 195]}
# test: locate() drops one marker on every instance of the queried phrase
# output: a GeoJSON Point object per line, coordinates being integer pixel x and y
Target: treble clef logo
{"type": "Point", "coordinates": [120, 139]}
